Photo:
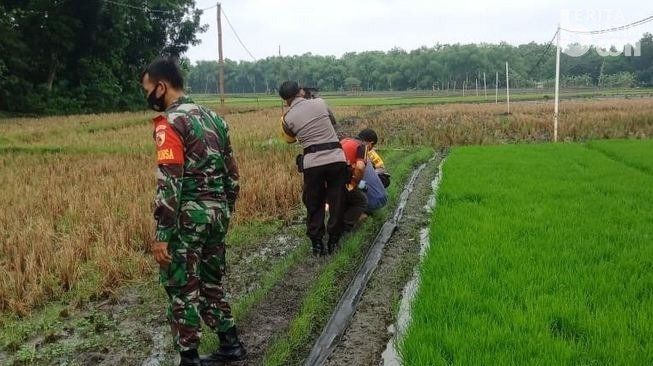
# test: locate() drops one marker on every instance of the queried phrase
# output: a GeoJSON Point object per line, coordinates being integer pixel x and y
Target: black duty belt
{"type": "Point", "coordinates": [321, 147]}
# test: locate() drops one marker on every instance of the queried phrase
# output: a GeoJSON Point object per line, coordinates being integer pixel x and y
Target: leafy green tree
{"type": "Point", "coordinates": [64, 56]}
{"type": "Point", "coordinates": [352, 82]}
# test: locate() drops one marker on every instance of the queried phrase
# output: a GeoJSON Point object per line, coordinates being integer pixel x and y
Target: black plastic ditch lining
{"type": "Point", "coordinates": [346, 307]}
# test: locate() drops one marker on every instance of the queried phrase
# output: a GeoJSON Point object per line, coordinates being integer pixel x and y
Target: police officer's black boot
{"type": "Point", "coordinates": [318, 247]}
{"type": "Point", "coordinates": [332, 244]}
{"type": "Point", "coordinates": [190, 358]}
{"type": "Point", "coordinates": [231, 349]}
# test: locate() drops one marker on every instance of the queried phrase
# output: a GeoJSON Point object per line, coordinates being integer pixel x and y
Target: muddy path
{"type": "Point", "coordinates": [129, 326]}
{"type": "Point", "coordinates": [271, 317]}
{"type": "Point", "coordinates": [368, 333]}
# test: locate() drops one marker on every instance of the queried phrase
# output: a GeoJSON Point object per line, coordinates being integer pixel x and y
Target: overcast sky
{"type": "Point", "coordinates": [337, 26]}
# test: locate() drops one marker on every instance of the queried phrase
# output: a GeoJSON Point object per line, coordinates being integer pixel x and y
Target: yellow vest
{"type": "Point", "coordinates": [375, 158]}
{"type": "Point", "coordinates": [284, 136]}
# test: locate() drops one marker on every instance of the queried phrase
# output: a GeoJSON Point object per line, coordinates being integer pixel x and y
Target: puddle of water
{"type": "Point", "coordinates": [157, 355]}
{"type": "Point", "coordinates": [278, 247]}
{"type": "Point", "coordinates": [390, 356]}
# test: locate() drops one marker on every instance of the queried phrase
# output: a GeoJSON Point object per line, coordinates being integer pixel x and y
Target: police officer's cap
{"type": "Point", "coordinates": [288, 90]}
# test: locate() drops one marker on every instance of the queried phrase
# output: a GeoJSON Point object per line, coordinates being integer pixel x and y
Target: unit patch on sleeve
{"type": "Point", "coordinates": [169, 147]}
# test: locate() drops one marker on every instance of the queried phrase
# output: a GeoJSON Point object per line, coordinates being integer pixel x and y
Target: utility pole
{"type": "Point", "coordinates": [557, 96]}
{"type": "Point", "coordinates": [484, 85]}
{"type": "Point", "coordinates": [496, 92]}
{"type": "Point", "coordinates": [280, 77]}
{"type": "Point", "coordinates": [220, 56]}
{"type": "Point", "coordinates": [476, 86]}
{"type": "Point", "coordinates": [507, 88]}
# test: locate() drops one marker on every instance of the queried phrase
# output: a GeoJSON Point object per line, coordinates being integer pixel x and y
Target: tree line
{"type": "Point", "coordinates": [73, 56]}
{"type": "Point", "coordinates": [81, 56]}
{"type": "Point", "coordinates": [438, 67]}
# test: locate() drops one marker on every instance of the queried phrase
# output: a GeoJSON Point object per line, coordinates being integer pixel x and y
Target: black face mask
{"type": "Point", "coordinates": [155, 103]}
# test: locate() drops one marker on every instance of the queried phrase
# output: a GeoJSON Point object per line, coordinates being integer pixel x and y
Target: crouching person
{"type": "Point", "coordinates": [355, 199]}
{"type": "Point", "coordinates": [375, 177]}
{"type": "Point", "coordinates": [374, 190]}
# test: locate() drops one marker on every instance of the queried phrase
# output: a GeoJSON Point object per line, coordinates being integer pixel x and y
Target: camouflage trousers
{"type": "Point", "coordinates": [193, 282]}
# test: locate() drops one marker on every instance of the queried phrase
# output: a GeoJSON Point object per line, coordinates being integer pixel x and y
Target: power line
{"type": "Point", "coordinates": [147, 9]}
{"type": "Point", "coordinates": [237, 37]}
{"type": "Point", "coordinates": [142, 8]}
{"type": "Point", "coordinates": [548, 47]}
{"type": "Point", "coordinates": [209, 8]}
{"type": "Point", "coordinates": [614, 29]}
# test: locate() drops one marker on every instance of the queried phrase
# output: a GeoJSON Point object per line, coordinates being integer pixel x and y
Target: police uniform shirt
{"type": "Point", "coordinates": [308, 121]}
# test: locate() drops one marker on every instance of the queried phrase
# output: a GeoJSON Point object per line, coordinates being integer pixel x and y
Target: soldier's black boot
{"type": "Point", "coordinates": [318, 247]}
{"type": "Point", "coordinates": [190, 358]}
{"type": "Point", "coordinates": [231, 349]}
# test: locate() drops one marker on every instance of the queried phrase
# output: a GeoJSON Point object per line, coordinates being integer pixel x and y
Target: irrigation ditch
{"type": "Point", "coordinates": [364, 327]}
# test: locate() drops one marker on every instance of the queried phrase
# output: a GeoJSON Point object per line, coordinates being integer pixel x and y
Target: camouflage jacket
{"type": "Point", "coordinates": [197, 175]}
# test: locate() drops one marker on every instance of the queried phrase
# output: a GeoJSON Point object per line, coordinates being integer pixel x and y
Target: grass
{"type": "Point", "coordinates": [419, 97]}
{"type": "Point", "coordinates": [540, 255]}
{"type": "Point", "coordinates": [483, 124]}
{"type": "Point", "coordinates": [327, 287]}
{"type": "Point", "coordinates": [71, 217]}
{"type": "Point", "coordinates": [81, 201]}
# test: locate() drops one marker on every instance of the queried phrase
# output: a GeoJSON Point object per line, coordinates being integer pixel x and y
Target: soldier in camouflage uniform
{"type": "Point", "coordinates": [197, 187]}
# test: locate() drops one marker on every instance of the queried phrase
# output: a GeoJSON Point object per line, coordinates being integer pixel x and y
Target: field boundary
{"type": "Point", "coordinates": [618, 159]}
{"type": "Point", "coordinates": [294, 344]}
{"type": "Point", "coordinates": [391, 354]}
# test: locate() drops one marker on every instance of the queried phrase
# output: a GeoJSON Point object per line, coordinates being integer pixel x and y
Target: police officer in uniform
{"type": "Point", "coordinates": [323, 164]}
{"type": "Point", "coordinates": [196, 191]}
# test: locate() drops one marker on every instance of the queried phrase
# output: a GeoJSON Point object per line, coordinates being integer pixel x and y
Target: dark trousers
{"type": "Point", "coordinates": [324, 184]}
{"type": "Point", "coordinates": [355, 206]}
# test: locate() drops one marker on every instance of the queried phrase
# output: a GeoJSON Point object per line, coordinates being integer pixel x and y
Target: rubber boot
{"type": "Point", "coordinates": [231, 349]}
{"type": "Point", "coordinates": [318, 247]}
{"type": "Point", "coordinates": [189, 358]}
{"type": "Point", "coordinates": [333, 244]}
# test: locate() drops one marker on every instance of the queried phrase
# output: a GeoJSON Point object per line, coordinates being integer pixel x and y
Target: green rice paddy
{"type": "Point", "coordinates": [540, 255]}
